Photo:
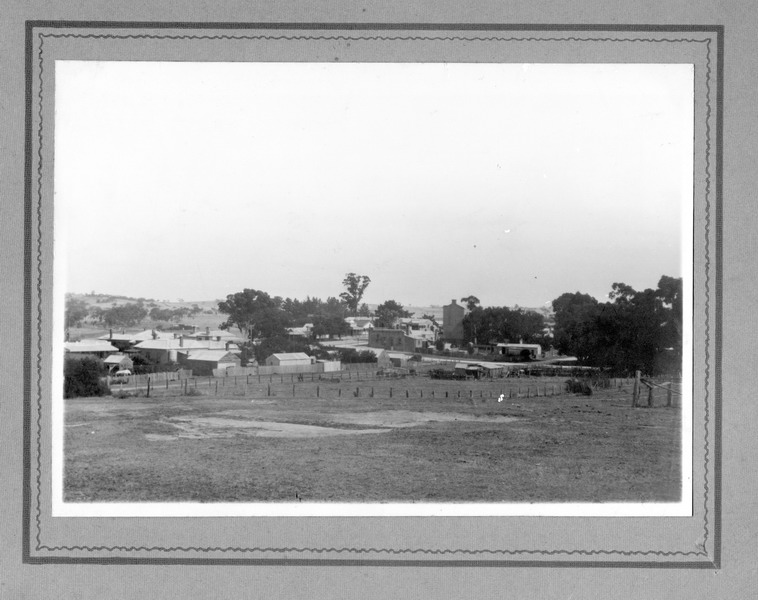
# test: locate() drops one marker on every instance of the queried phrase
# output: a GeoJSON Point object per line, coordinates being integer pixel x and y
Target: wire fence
{"type": "Point", "coordinates": [367, 385]}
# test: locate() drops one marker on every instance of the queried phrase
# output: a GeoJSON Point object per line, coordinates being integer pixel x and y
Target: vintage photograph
{"type": "Point", "coordinates": [448, 288]}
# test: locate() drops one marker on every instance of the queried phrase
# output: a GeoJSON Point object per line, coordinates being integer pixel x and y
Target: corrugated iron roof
{"type": "Point", "coordinates": [208, 355]}
{"type": "Point", "coordinates": [89, 346]}
{"type": "Point", "coordinates": [292, 356]}
{"type": "Point", "coordinates": [116, 359]}
{"type": "Point", "coordinates": [176, 344]}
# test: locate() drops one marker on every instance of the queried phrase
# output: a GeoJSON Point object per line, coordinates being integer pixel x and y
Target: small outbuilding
{"type": "Point", "coordinates": [118, 362]}
{"type": "Point", "coordinates": [204, 362]}
{"type": "Point", "coordinates": [289, 359]}
{"type": "Point", "coordinates": [468, 370]}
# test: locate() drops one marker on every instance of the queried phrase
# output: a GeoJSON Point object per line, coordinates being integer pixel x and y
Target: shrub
{"type": "Point", "coordinates": [81, 378]}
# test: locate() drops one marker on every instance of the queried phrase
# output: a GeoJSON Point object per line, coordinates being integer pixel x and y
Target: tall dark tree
{"type": "Point", "coordinates": [471, 302]}
{"type": "Point", "coordinates": [495, 324]}
{"type": "Point", "coordinates": [355, 286]}
{"type": "Point", "coordinates": [637, 330]}
{"type": "Point", "coordinates": [254, 313]}
{"type": "Point", "coordinates": [388, 313]}
{"type": "Point", "coordinates": [330, 325]}
{"type": "Point", "coordinates": [574, 317]}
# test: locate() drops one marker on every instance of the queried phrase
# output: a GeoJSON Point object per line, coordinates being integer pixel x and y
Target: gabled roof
{"type": "Point", "coordinates": [292, 356]}
{"type": "Point", "coordinates": [116, 359]}
{"type": "Point", "coordinates": [208, 355]}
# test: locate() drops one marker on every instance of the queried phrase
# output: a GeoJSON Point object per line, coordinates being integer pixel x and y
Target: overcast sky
{"type": "Point", "coordinates": [515, 183]}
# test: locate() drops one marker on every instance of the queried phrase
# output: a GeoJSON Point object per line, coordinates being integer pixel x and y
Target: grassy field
{"type": "Point", "coordinates": [429, 441]}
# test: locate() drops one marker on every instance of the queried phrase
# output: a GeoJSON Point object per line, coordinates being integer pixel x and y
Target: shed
{"type": "Point", "coordinates": [532, 351]}
{"type": "Point", "coordinates": [117, 362]}
{"type": "Point", "coordinates": [397, 359]}
{"type": "Point", "coordinates": [468, 370]}
{"type": "Point", "coordinates": [289, 359]}
{"type": "Point", "coordinates": [203, 362]}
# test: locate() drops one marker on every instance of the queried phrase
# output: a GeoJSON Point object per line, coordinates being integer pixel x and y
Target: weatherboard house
{"type": "Point", "coordinates": [204, 362]}
{"type": "Point", "coordinates": [90, 348]}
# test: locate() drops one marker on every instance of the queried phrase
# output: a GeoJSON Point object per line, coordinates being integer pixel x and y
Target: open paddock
{"type": "Point", "coordinates": [409, 440]}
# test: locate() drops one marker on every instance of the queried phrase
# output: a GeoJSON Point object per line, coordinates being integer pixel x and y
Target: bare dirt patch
{"type": "Point", "coordinates": [375, 422]}
{"type": "Point", "coordinates": [407, 418]}
{"type": "Point", "coordinates": [219, 427]}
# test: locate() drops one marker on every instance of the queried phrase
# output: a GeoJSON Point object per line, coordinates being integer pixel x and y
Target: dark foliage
{"type": "Point", "coordinates": [636, 330]}
{"type": "Point", "coordinates": [81, 378]}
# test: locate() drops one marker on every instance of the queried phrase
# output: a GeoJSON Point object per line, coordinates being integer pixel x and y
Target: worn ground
{"type": "Point", "coordinates": [355, 443]}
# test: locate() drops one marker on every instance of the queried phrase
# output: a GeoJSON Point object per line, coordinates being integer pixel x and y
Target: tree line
{"type": "Point", "coordinates": [633, 330]}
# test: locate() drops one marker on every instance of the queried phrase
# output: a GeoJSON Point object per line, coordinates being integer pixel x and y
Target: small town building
{"type": "Point", "coordinates": [452, 322]}
{"type": "Point", "coordinates": [359, 326]}
{"type": "Point", "coordinates": [116, 362]}
{"type": "Point", "coordinates": [204, 362]}
{"type": "Point", "coordinates": [289, 359]}
{"type": "Point", "coordinates": [522, 351]}
{"type": "Point", "coordinates": [164, 351]}
{"type": "Point", "coordinates": [468, 370]}
{"type": "Point", "coordinates": [397, 359]}
{"type": "Point", "coordinates": [89, 348]}
{"type": "Point", "coordinates": [396, 339]}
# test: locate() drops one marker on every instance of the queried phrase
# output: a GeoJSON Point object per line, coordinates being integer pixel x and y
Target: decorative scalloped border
{"type": "Point", "coordinates": [702, 552]}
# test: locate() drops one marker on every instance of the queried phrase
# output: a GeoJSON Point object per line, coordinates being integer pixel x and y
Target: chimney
{"type": "Point", "coordinates": [227, 345]}
{"type": "Point", "coordinates": [453, 301]}
{"type": "Point", "coordinates": [110, 334]}
{"type": "Point", "coordinates": [207, 331]}
{"type": "Point", "coordinates": [154, 334]}
{"type": "Point", "coordinates": [181, 341]}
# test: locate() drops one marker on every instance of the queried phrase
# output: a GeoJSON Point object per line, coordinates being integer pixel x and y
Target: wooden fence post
{"type": "Point", "coordinates": [669, 394]}
{"type": "Point", "coordinates": [636, 389]}
{"type": "Point", "coordinates": [148, 387]}
{"type": "Point", "coordinates": [650, 397]}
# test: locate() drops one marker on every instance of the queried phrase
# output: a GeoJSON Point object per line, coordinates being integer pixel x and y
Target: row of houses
{"type": "Point", "coordinates": [203, 351]}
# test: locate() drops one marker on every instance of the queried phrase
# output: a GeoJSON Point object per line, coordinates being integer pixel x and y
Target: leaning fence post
{"type": "Point", "coordinates": [637, 388]}
{"type": "Point", "coordinates": [650, 397]}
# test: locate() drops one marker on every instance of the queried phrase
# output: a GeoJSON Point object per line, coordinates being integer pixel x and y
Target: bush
{"type": "Point", "coordinates": [81, 378]}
